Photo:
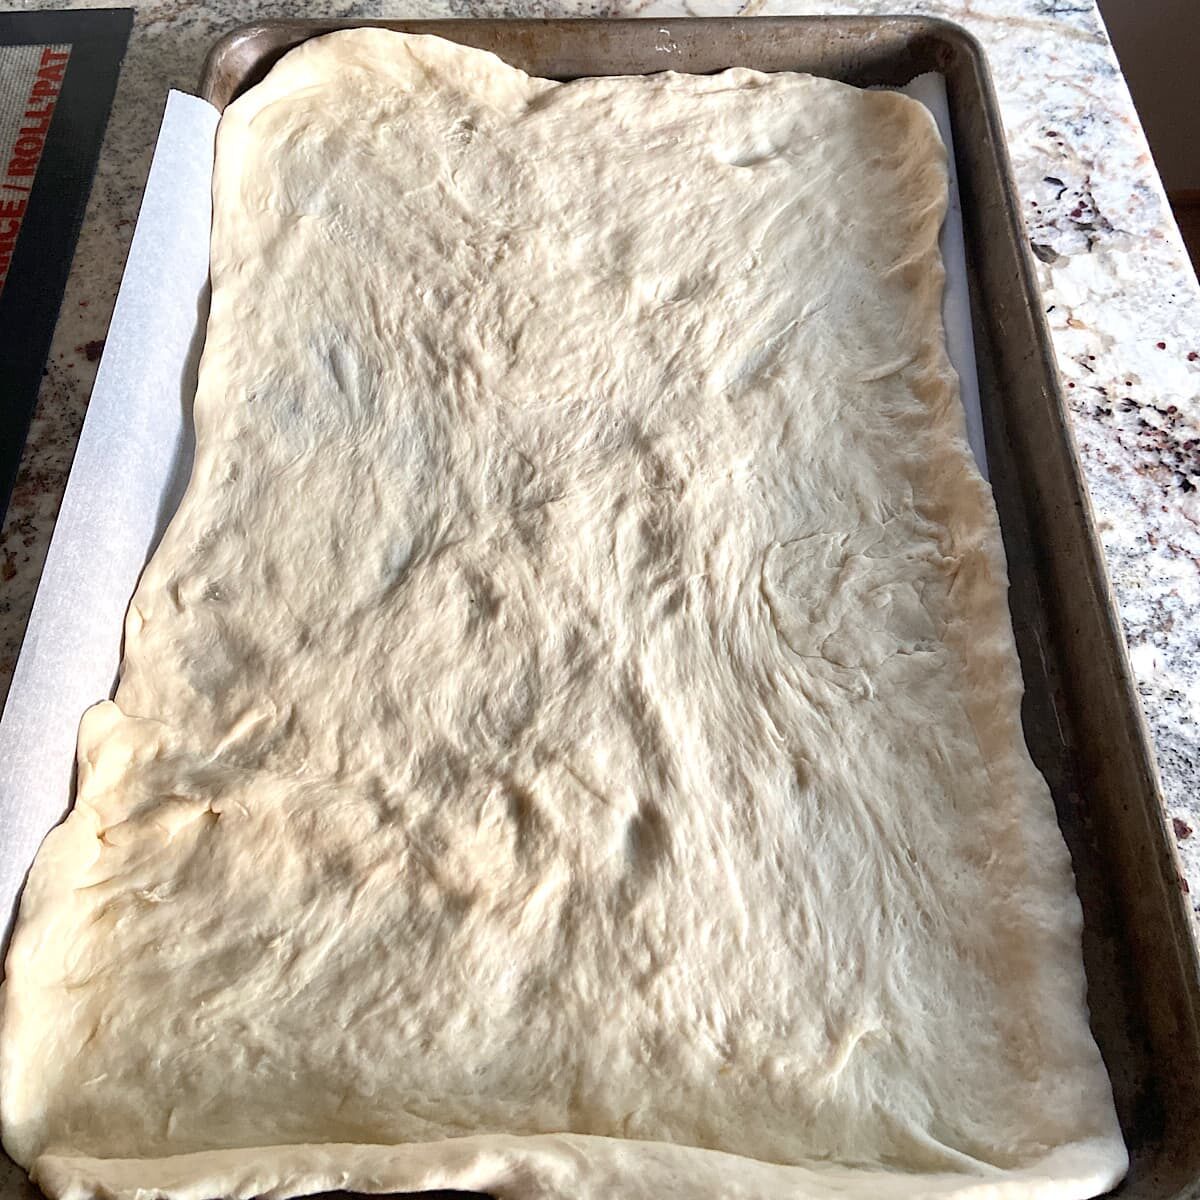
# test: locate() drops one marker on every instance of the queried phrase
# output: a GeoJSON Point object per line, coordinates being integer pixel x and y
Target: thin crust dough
{"type": "Point", "coordinates": [568, 742]}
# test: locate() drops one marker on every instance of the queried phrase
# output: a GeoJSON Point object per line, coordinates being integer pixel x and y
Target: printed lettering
{"type": "Point", "coordinates": [54, 65]}
{"type": "Point", "coordinates": [36, 124]}
{"type": "Point", "coordinates": [26, 152]}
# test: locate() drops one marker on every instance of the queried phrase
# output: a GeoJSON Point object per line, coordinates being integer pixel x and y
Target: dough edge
{"type": "Point", "coordinates": [553, 1167]}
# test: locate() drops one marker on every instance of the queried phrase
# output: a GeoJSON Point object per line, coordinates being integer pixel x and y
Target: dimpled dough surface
{"type": "Point", "coordinates": [568, 740]}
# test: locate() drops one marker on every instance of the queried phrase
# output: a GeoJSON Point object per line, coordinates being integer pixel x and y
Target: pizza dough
{"type": "Point", "coordinates": [568, 740]}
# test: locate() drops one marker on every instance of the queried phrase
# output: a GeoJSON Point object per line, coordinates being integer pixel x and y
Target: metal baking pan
{"type": "Point", "coordinates": [1081, 714]}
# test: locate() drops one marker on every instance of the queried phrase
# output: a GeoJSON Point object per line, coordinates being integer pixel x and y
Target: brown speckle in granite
{"type": "Point", "coordinates": [1182, 828]}
{"type": "Point", "coordinates": [93, 349]}
{"type": "Point", "coordinates": [1161, 345]}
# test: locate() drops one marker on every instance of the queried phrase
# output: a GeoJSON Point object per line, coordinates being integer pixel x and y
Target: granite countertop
{"type": "Point", "coordinates": [1122, 300]}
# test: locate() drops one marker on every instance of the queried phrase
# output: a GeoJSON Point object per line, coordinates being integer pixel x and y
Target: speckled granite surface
{"type": "Point", "coordinates": [1122, 300]}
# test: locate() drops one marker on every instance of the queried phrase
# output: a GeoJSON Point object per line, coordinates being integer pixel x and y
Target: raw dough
{"type": "Point", "coordinates": [568, 740]}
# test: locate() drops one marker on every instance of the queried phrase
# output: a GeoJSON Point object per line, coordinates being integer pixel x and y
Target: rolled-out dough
{"type": "Point", "coordinates": [568, 741]}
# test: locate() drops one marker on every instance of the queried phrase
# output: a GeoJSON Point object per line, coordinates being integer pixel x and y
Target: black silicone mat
{"type": "Point", "coordinates": [58, 72]}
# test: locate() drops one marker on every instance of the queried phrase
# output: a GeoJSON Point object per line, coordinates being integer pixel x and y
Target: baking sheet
{"type": "Point", "coordinates": [1080, 713]}
{"type": "Point", "coordinates": [134, 456]}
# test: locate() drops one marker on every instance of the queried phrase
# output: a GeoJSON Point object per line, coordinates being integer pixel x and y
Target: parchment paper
{"type": "Point", "coordinates": [134, 456]}
{"type": "Point", "coordinates": [127, 477]}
